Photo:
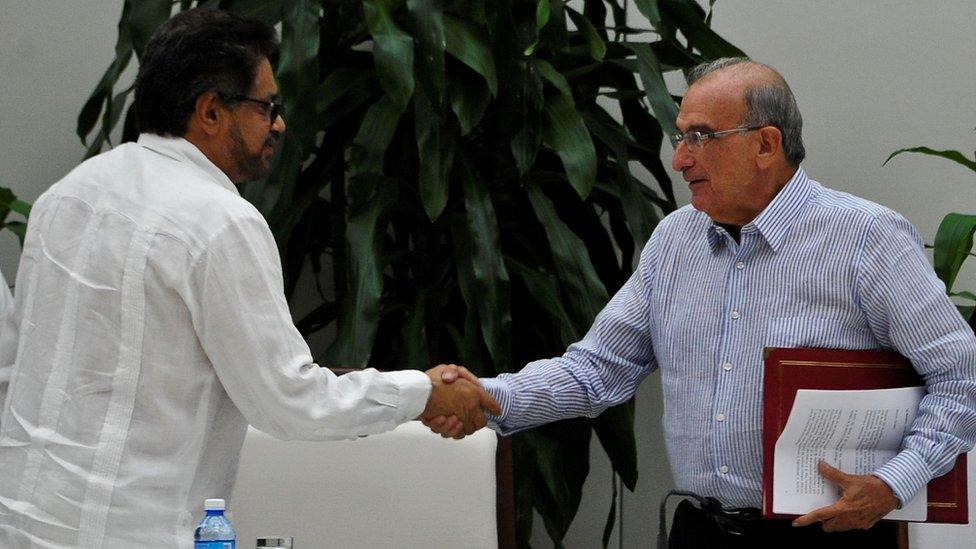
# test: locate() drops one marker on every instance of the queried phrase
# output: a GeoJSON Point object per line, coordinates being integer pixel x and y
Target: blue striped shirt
{"type": "Point", "coordinates": [817, 268]}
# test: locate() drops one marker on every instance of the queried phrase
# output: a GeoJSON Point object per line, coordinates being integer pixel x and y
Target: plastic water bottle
{"type": "Point", "coordinates": [214, 531]}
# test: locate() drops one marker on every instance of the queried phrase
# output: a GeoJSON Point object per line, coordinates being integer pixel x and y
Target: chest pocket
{"type": "Point", "coordinates": [827, 333]}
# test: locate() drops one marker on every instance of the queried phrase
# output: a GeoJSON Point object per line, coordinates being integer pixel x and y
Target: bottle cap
{"type": "Point", "coordinates": [214, 505]}
{"type": "Point", "coordinates": [275, 542]}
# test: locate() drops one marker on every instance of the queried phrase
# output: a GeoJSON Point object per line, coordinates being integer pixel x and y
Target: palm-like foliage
{"type": "Point", "coordinates": [458, 178]}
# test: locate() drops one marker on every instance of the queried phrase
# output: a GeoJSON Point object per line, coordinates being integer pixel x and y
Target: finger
{"type": "Point", "coordinates": [822, 514]}
{"type": "Point", "coordinates": [452, 426]}
{"type": "Point", "coordinates": [474, 416]}
{"type": "Point", "coordinates": [480, 421]}
{"type": "Point", "coordinates": [435, 424]}
{"type": "Point", "coordinates": [466, 374]}
{"type": "Point", "coordinates": [832, 473]}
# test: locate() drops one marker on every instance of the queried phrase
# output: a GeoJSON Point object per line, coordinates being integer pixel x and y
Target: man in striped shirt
{"type": "Point", "coordinates": [763, 257]}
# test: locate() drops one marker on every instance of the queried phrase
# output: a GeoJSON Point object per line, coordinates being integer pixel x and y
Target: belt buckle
{"type": "Point", "coordinates": [737, 522]}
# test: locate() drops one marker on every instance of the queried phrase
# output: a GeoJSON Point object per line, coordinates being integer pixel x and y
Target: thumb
{"type": "Point", "coordinates": [449, 374]}
{"type": "Point", "coordinates": [488, 403]}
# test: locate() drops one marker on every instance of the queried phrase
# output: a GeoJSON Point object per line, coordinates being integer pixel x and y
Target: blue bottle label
{"type": "Point", "coordinates": [215, 545]}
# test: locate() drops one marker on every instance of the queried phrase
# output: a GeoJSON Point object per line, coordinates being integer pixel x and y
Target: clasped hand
{"type": "Point", "coordinates": [457, 402]}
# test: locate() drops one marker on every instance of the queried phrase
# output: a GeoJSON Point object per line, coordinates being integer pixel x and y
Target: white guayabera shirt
{"type": "Point", "coordinates": [149, 328]}
{"type": "Point", "coordinates": [6, 298]}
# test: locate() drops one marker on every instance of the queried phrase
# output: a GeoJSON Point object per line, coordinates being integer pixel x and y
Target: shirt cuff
{"type": "Point", "coordinates": [413, 387]}
{"type": "Point", "coordinates": [905, 474]}
{"type": "Point", "coordinates": [502, 393]}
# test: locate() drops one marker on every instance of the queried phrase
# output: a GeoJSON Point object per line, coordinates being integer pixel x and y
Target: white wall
{"type": "Point", "coordinates": [870, 77]}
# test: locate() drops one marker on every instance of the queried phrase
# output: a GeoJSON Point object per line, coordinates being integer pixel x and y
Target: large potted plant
{"type": "Point", "coordinates": [457, 182]}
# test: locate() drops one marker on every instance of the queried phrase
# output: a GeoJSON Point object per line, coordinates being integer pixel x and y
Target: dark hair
{"type": "Point", "coordinates": [770, 103]}
{"type": "Point", "coordinates": [197, 51]}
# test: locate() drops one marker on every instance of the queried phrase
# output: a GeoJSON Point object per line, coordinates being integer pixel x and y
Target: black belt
{"type": "Point", "coordinates": [738, 521]}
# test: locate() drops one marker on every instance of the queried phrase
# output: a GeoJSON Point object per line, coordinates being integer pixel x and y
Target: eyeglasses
{"type": "Point", "coordinates": [697, 139]}
{"type": "Point", "coordinates": [273, 108]}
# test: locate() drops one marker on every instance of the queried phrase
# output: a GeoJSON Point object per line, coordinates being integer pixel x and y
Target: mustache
{"type": "Point", "coordinates": [272, 140]}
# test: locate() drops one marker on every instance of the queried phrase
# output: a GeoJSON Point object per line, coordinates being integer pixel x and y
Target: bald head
{"type": "Point", "coordinates": [768, 98]}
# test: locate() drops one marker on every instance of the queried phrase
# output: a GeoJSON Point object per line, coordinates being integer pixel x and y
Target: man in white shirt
{"type": "Point", "coordinates": [150, 325]}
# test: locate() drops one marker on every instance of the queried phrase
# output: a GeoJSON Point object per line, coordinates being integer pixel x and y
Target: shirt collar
{"type": "Point", "coordinates": [775, 221]}
{"type": "Point", "coordinates": [181, 150]}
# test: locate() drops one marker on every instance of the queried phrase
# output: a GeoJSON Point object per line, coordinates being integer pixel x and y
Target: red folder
{"type": "Point", "coordinates": [787, 370]}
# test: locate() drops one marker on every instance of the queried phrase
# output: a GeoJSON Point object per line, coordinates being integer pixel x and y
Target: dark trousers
{"type": "Point", "coordinates": [693, 529]}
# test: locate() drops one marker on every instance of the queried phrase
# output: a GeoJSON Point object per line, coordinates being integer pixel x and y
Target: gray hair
{"type": "Point", "coordinates": [769, 103]}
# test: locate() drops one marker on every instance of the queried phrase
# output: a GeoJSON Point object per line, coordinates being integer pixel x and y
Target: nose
{"type": "Point", "coordinates": [682, 159]}
{"type": "Point", "coordinates": [279, 124]}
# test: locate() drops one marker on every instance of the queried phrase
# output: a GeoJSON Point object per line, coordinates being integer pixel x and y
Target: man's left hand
{"type": "Point", "coordinates": [864, 500]}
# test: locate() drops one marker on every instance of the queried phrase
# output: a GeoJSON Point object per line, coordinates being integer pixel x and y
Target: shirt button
{"type": "Point", "coordinates": [735, 315]}
{"type": "Point", "coordinates": [724, 469]}
{"type": "Point", "coordinates": [740, 265]}
{"type": "Point", "coordinates": [720, 417]}
{"type": "Point", "coordinates": [727, 366]}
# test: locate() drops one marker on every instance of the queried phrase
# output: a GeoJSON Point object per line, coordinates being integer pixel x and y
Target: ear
{"type": "Point", "coordinates": [770, 146]}
{"type": "Point", "coordinates": [209, 113]}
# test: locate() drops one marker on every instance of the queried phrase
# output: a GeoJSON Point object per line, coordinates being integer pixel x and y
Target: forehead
{"type": "Point", "coordinates": [716, 102]}
{"type": "Point", "coordinates": [264, 86]}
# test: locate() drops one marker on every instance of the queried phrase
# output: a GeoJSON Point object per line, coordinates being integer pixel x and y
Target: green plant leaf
{"type": "Point", "coordinates": [103, 90]}
{"type": "Point", "coordinates": [343, 91]}
{"type": "Point", "coordinates": [483, 252]}
{"type": "Point", "coordinates": [468, 44]}
{"type": "Point", "coordinates": [565, 132]}
{"type": "Point", "coordinates": [19, 228]}
{"type": "Point", "coordinates": [955, 156]}
{"type": "Point", "coordinates": [298, 67]}
{"type": "Point", "coordinates": [689, 17]}
{"type": "Point", "coordinates": [562, 464]}
{"type": "Point", "coordinates": [428, 20]}
{"type": "Point", "coordinates": [641, 217]}
{"type": "Point", "coordinates": [298, 76]}
{"type": "Point", "coordinates": [543, 288]}
{"type": "Point", "coordinates": [267, 11]}
{"type": "Point", "coordinates": [369, 147]}
{"type": "Point", "coordinates": [965, 295]}
{"type": "Point", "coordinates": [663, 105]}
{"type": "Point", "coordinates": [615, 430]}
{"type": "Point", "coordinates": [144, 17]}
{"type": "Point", "coordinates": [649, 9]}
{"type": "Point", "coordinates": [596, 45]}
{"type": "Point", "coordinates": [529, 104]}
{"type": "Point", "coordinates": [554, 77]}
{"type": "Point", "coordinates": [393, 52]}
{"type": "Point", "coordinates": [374, 197]}
{"type": "Point", "coordinates": [541, 14]}
{"type": "Point", "coordinates": [436, 144]}
{"type": "Point", "coordinates": [469, 99]}
{"type": "Point", "coordinates": [416, 355]}
{"type": "Point", "coordinates": [953, 243]}
{"type": "Point", "coordinates": [580, 283]}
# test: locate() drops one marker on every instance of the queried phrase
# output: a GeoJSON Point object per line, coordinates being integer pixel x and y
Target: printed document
{"type": "Point", "coordinates": [854, 431]}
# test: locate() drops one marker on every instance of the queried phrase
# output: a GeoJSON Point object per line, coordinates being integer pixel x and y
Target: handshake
{"type": "Point", "coordinates": [457, 404]}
